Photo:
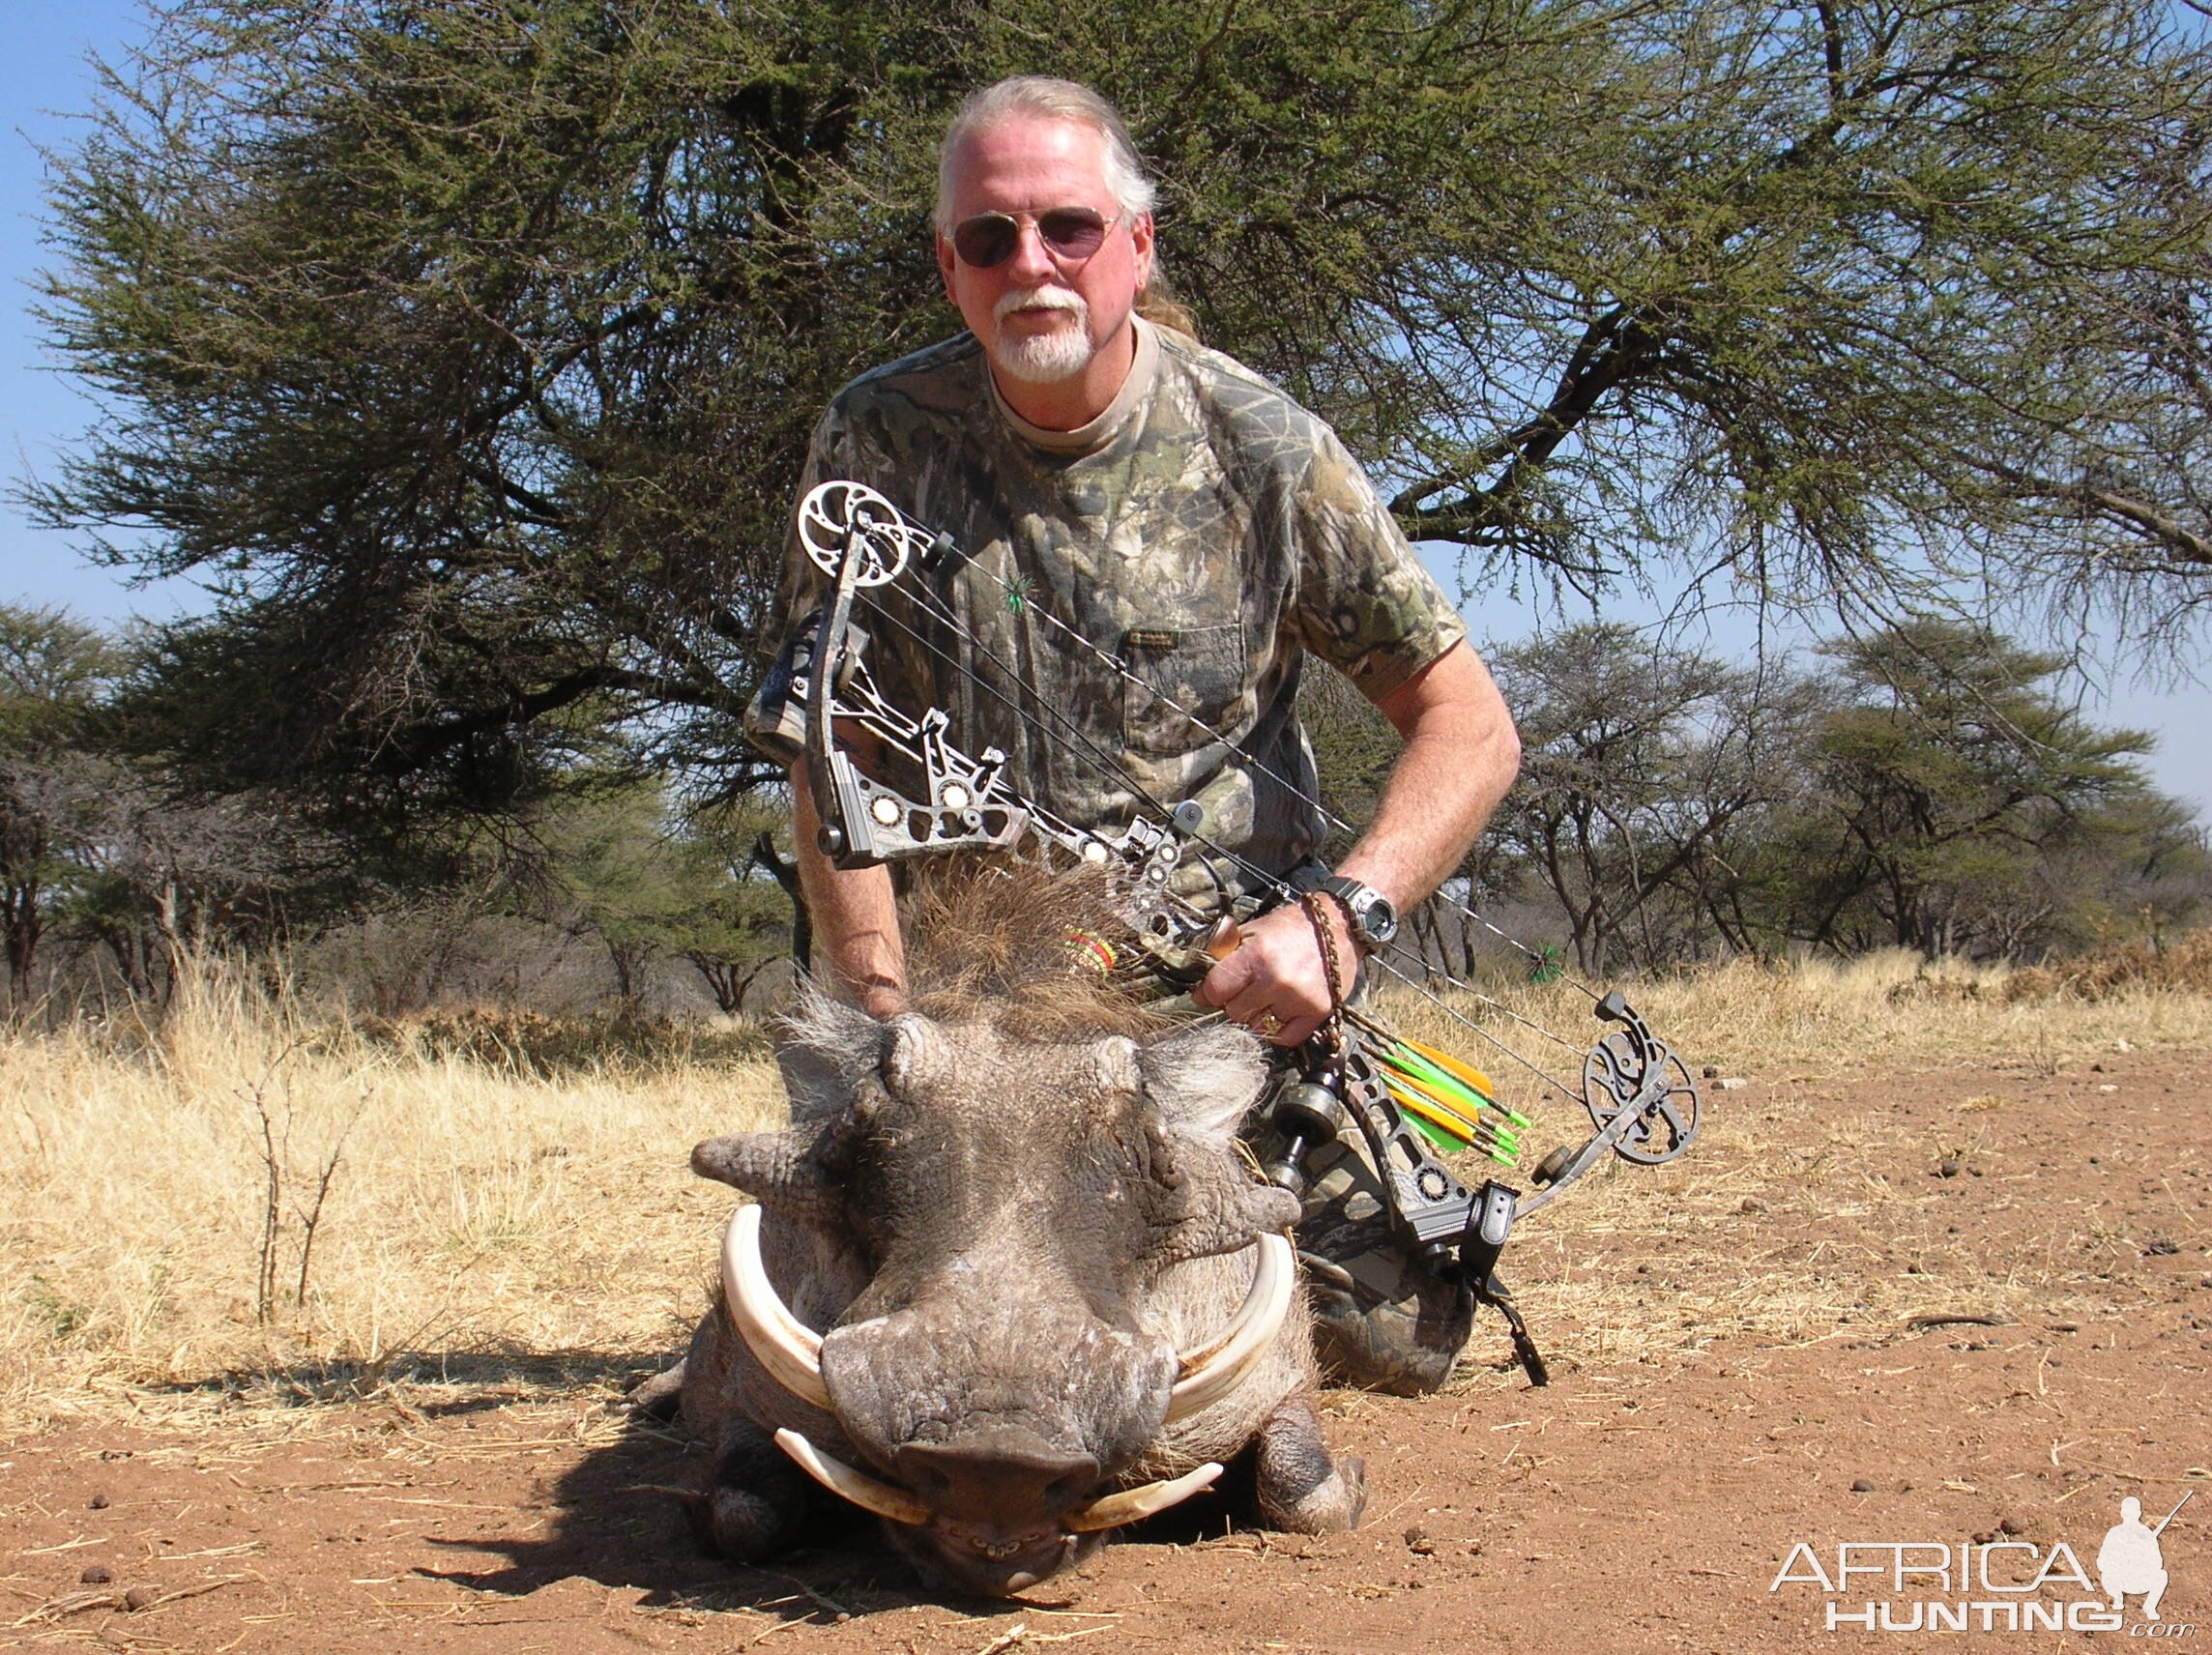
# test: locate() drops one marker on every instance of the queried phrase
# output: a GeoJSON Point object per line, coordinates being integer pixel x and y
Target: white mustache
{"type": "Point", "coordinates": [1041, 299]}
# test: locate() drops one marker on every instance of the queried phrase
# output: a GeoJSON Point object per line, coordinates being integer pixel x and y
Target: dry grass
{"type": "Point", "coordinates": [1890, 1008]}
{"type": "Point", "coordinates": [480, 1214]}
{"type": "Point", "coordinates": [510, 1205]}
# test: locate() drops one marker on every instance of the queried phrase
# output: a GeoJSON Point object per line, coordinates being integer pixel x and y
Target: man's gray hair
{"type": "Point", "coordinates": [1060, 101]}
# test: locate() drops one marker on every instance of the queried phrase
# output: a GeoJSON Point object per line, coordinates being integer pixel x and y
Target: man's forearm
{"type": "Point", "coordinates": [1459, 757]}
{"type": "Point", "coordinates": [855, 918]}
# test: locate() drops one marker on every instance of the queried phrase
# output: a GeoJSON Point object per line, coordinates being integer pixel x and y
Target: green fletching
{"type": "Point", "coordinates": [1411, 1063]}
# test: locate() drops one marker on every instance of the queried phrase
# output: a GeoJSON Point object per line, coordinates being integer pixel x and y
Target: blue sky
{"type": "Point", "coordinates": [44, 78]}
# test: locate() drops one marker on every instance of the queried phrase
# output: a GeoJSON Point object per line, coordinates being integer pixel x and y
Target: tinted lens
{"type": "Point", "coordinates": [986, 240]}
{"type": "Point", "coordinates": [1072, 232]}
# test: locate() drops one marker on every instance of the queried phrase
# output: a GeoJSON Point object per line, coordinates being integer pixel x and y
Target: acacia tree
{"type": "Point", "coordinates": [616, 864]}
{"type": "Point", "coordinates": [1636, 761]}
{"type": "Point", "coordinates": [474, 347]}
{"type": "Point", "coordinates": [1952, 776]}
{"type": "Point", "coordinates": [53, 674]}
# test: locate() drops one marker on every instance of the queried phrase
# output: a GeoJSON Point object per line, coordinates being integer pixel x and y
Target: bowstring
{"type": "Point", "coordinates": [1112, 766]}
{"type": "Point", "coordinates": [1119, 667]}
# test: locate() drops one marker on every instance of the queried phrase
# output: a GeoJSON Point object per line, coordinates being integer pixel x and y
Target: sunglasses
{"type": "Point", "coordinates": [1071, 233]}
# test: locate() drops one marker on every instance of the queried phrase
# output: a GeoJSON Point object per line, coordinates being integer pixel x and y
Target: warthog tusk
{"type": "Point", "coordinates": [1214, 1368]}
{"type": "Point", "coordinates": [858, 1487]}
{"type": "Point", "coordinates": [787, 1347]}
{"type": "Point", "coordinates": [791, 1351]}
{"type": "Point", "coordinates": [1132, 1503]}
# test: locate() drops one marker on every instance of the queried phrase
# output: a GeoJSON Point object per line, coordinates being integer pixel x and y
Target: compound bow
{"type": "Point", "coordinates": [1400, 1096]}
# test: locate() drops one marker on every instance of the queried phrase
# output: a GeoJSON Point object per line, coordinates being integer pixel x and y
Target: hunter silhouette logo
{"type": "Point", "coordinates": [1993, 1585]}
{"type": "Point", "coordinates": [2129, 1560]}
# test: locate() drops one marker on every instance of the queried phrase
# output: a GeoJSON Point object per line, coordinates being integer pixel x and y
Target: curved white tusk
{"type": "Point", "coordinates": [787, 1347]}
{"type": "Point", "coordinates": [1132, 1503]}
{"type": "Point", "coordinates": [858, 1487]}
{"type": "Point", "coordinates": [1214, 1368]}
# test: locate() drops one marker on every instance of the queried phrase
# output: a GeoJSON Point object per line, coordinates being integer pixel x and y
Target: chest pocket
{"type": "Point", "coordinates": [1184, 682]}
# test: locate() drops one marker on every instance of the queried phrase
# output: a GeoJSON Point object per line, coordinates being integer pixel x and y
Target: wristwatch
{"type": "Point", "coordinates": [1374, 922]}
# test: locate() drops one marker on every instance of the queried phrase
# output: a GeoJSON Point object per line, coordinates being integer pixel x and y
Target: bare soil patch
{"type": "Point", "coordinates": [1743, 1361]}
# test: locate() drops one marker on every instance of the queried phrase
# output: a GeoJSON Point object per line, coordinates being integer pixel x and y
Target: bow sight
{"type": "Point", "coordinates": [1400, 1096]}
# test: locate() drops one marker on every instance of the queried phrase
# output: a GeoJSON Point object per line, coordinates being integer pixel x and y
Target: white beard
{"type": "Point", "coordinates": [1043, 358]}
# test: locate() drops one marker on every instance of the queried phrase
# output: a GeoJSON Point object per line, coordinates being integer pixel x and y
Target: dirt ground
{"type": "Point", "coordinates": [1647, 1503]}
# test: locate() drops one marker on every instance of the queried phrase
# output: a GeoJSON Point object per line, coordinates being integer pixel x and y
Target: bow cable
{"type": "Point", "coordinates": [1112, 767]}
{"type": "Point", "coordinates": [1121, 668]}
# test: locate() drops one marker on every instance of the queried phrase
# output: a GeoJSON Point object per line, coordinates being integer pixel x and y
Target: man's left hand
{"type": "Point", "coordinates": [1276, 983]}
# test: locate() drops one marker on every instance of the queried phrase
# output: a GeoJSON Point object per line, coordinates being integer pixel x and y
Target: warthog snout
{"type": "Point", "coordinates": [987, 1474]}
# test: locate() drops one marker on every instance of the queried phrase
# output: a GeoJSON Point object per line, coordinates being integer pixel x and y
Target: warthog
{"type": "Point", "coordinates": [1054, 1299]}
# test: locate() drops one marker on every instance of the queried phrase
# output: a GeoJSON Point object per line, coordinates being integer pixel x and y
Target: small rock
{"type": "Point", "coordinates": [1735, 1082]}
{"type": "Point", "coordinates": [1862, 1486]}
{"type": "Point", "coordinates": [1974, 1172]}
{"type": "Point", "coordinates": [2123, 1045]}
{"type": "Point", "coordinates": [2096, 1069]}
{"type": "Point", "coordinates": [1986, 1537]}
{"type": "Point", "coordinates": [96, 1575]}
{"type": "Point", "coordinates": [1711, 1071]}
{"type": "Point", "coordinates": [1751, 1204]}
{"type": "Point", "coordinates": [2158, 1247]}
{"type": "Point", "coordinates": [1418, 1543]}
{"type": "Point", "coordinates": [2065, 1328]}
{"type": "Point", "coordinates": [115, 1453]}
{"type": "Point", "coordinates": [98, 1502]}
{"type": "Point", "coordinates": [1948, 1167]}
{"type": "Point", "coordinates": [2107, 1087]}
{"type": "Point", "coordinates": [141, 1597]}
{"type": "Point", "coordinates": [2011, 1525]}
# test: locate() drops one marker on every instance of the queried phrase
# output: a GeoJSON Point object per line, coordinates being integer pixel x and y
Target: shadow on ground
{"type": "Point", "coordinates": [618, 1520]}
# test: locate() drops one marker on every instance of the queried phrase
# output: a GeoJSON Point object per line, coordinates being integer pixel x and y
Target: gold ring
{"type": "Point", "coordinates": [1268, 1024]}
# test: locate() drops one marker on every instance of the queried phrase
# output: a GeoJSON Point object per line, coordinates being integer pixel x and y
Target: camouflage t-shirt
{"type": "Point", "coordinates": [1205, 533]}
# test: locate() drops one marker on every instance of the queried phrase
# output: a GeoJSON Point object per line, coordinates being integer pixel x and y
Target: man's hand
{"type": "Point", "coordinates": [1276, 984]}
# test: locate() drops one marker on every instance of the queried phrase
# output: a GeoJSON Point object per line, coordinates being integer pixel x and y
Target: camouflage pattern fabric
{"type": "Point", "coordinates": [1382, 1319]}
{"type": "Point", "coordinates": [1206, 531]}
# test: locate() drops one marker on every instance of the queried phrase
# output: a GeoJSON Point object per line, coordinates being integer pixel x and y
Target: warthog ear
{"type": "Point", "coordinates": [801, 1170]}
{"type": "Point", "coordinates": [1204, 1081]}
{"type": "Point", "coordinates": [825, 1049]}
{"type": "Point", "coordinates": [1204, 1078]}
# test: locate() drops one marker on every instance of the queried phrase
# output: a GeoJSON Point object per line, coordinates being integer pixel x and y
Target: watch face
{"type": "Point", "coordinates": [1373, 919]}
